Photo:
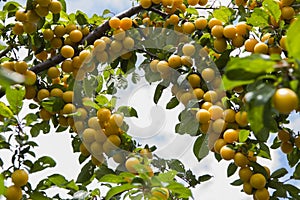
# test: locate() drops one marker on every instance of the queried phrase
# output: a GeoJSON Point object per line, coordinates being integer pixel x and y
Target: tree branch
{"type": "Point", "coordinates": [88, 40]}
{"type": "Point", "coordinates": [164, 15]}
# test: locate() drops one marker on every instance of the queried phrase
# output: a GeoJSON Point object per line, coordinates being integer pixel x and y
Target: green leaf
{"type": "Point", "coordinates": [81, 18]}
{"type": "Point", "coordinates": [296, 174]}
{"type": "Point", "coordinates": [11, 7]}
{"type": "Point", "coordinates": [118, 189]}
{"type": "Point", "coordinates": [86, 173]}
{"type": "Point", "coordinates": [57, 179]}
{"type": "Point", "coordinates": [279, 173]}
{"type": "Point", "coordinates": [259, 18]}
{"type": "Point", "coordinates": [248, 68]}
{"type": "Point", "coordinates": [111, 178]}
{"type": "Point", "coordinates": [293, 41]}
{"type": "Point", "coordinates": [60, 181]}
{"type": "Point", "coordinates": [223, 13]}
{"type": "Point", "coordinates": [231, 169]}
{"type": "Point", "coordinates": [88, 84]}
{"type": "Point", "coordinates": [204, 178]}
{"type": "Point", "coordinates": [243, 135]}
{"type": "Point", "coordinates": [176, 165]}
{"type": "Point", "coordinates": [293, 157]}
{"type": "Point", "coordinates": [280, 191]}
{"type": "Point", "coordinates": [92, 104]}
{"type": "Point", "coordinates": [258, 168]}
{"type": "Point", "coordinates": [259, 110]}
{"type": "Point", "coordinates": [100, 84]}
{"type": "Point", "coordinates": [237, 182]}
{"type": "Point", "coordinates": [192, 11]}
{"type": "Point", "coordinates": [5, 111]}
{"type": "Point", "coordinates": [102, 100]}
{"type": "Point", "coordinates": [42, 163]}
{"type": "Point", "coordinates": [29, 4]}
{"type": "Point", "coordinates": [273, 8]}
{"type": "Point", "coordinates": [39, 196]}
{"type": "Point", "coordinates": [135, 77]}
{"type": "Point", "coordinates": [292, 190]}
{"type": "Point", "coordinates": [200, 148]}
{"type": "Point", "coordinates": [53, 104]}
{"type": "Point", "coordinates": [2, 188]}
{"type": "Point", "coordinates": [230, 84]}
{"type": "Point", "coordinates": [33, 106]}
{"type": "Point", "coordinates": [172, 103]}
{"type": "Point", "coordinates": [188, 124]}
{"type": "Point", "coordinates": [15, 96]}
{"type": "Point", "coordinates": [64, 5]}
{"type": "Point", "coordinates": [167, 176]}
{"type": "Point", "coordinates": [159, 90]}
{"type": "Point", "coordinates": [128, 111]}
{"type": "Point", "coordinates": [180, 190]}
{"type": "Point", "coordinates": [264, 151]}
{"type": "Point", "coordinates": [37, 128]}
{"type": "Point", "coordinates": [30, 118]}
{"type": "Point", "coordinates": [106, 12]}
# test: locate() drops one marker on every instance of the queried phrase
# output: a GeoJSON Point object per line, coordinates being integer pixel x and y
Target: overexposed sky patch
{"type": "Point", "coordinates": [97, 7]}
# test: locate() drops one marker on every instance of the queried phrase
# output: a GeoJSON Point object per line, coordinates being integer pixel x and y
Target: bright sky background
{"type": "Point", "coordinates": [58, 145]}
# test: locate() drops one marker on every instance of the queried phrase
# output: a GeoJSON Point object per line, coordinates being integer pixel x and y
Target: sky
{"type": "Point", "coordinates": [58, 145]}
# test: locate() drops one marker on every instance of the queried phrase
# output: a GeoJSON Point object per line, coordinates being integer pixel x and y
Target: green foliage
{"type": "Point", "coordinates": [201, 147]}
{"type": "Point", "coordinates": [42, 163]}
{"type": "Point", "coordinates": [128, 111]}
{"type": "Point", "coordinates": [5, 111]}
{"type": "Point", "coordinates": [257, 76]}
{"type": "Point", "coordinates": [259, 18]}
{"type": "Point", "coordinates": [292, 40]}
{"type": "Point", "coordinates": [273, 8]}
{"type": "Point", "coordinates": [223, 13]}
{"type": "Point", "coordinates": [15, 97]}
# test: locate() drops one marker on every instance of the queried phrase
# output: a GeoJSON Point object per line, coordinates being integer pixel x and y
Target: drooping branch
{"type": "Point", "coordinates": [99, 31]}
{"type": "Point", "coordinates": [89, 39]}
{"type": "Point", "coordinates": [47, 64]}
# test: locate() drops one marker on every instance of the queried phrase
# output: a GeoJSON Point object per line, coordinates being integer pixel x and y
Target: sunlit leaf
{"type": "Point", "coordinates": [293, 41]}
{"type": "Point", "coordinates": [259, 18]}
{"type": "Point", "coordinates": [118, 189]}
{"type": "Point", "coordinates": [181, 190]}
{"type": "Point", "coordinates": [15, 96]}
{"type": "Point", "coordinates": [273, 8]}
{"type": "Point", "coordinates": [223, 13]}
{"type": "Point", "coordinates": [5, 111]}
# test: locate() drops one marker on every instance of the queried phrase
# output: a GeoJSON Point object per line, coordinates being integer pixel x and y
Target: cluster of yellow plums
{"type": "Point", "coordinates": [221, 123]}
{"type": "Point", "coordinates": [171, 6]}
{"type": "Point", "coordinates": [28, 20]}
{"type": "Point", "coordinates": [19, 179]}
{"type": "Point", "coordinates": [102, 136]}
{"type": "Point", "coordinates": [288, 142]}
{"type": "Point", "coordinates": [287, 10]}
